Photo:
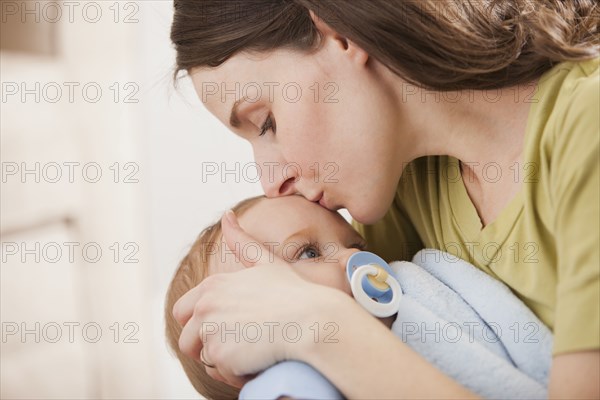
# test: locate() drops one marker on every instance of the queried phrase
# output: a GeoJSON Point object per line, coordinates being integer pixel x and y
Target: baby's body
{"type": "Point", "coordinates": [459, 319]}
{"type": "Point", "coordinates": [317, 243]}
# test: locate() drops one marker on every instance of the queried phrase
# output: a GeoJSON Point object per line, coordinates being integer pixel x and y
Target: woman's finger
{"type": "Point", "coordinates": [192, 301]}
{"type": "Point", "coordinates": [183, 308]}
{"type": "Point", "coordinates": [215, 374]}
{"type": "Point", "coordinates": [190, 342]}
{"type": "Point", "coordinates": [248, 250]}
{"type": "Point", "coordinates": [231, 380]}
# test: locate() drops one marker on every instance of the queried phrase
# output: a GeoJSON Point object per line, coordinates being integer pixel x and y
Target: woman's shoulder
{"type": "Point", "coordinates": [567, 89]}
{"type": "Point", "coordinates": [565, 109]}
{"type": "Point", "coordinates": [580, 88]}
{"type": "Point", "coordinates": [580, 102]}
{"type": "Point", "coordinates": [567, 75]}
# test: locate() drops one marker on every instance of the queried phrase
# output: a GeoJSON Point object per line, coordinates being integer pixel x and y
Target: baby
{"type": "Point", "coordinates": [317, 243]}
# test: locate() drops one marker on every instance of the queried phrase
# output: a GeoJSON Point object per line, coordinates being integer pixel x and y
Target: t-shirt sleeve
{"type": "Point", "coordinates": [575, 177]}
{"type": "Point", "coordinates": [394, 237]}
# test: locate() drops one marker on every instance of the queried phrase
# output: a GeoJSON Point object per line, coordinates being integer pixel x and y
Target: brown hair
{"type": "Point", "coordinates": [192, 269]}
{"type": "Point", "coordinates": [436, 44]}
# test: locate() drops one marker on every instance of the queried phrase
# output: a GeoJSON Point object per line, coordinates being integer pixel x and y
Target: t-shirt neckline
{"type": "Point", "coordinates": [467, 218]}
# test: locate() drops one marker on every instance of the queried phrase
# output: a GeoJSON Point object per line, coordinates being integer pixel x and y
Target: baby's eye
{"type": "Point", "coordinates": [309, 252]}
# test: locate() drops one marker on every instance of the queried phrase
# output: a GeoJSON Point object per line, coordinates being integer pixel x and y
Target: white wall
{"type": "Point", "coordinates": [168, 135]}
{"type": "Point", "coordinates": [180, 138]}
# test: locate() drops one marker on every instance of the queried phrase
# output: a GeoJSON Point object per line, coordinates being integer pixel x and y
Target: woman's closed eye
{"type": "Point", "coordinates": [267, 125]}
{"type": "Point", "coordinates": [362, 245]}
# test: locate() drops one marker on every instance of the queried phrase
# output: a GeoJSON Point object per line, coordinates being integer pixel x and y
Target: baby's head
{"type": "Point", "coordinates": [315, 241]}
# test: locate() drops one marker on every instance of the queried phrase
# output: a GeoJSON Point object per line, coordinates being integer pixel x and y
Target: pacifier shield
{"type": "Point", "coordinates": [373, 284]}
{"type": "Point", "coordinates": [379, 291]}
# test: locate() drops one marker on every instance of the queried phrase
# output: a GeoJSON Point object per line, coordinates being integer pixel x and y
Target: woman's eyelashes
{"type": "Point", "coordinates": [267, 125]}
{"type": "Point", "coordinates": [362, 245]}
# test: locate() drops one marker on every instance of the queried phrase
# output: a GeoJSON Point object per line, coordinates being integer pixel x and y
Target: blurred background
{"type": "Point", "coordinates": [108, 175]}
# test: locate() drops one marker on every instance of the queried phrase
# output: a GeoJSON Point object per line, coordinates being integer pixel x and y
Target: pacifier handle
{"type": "Point", "coordinates": [373, 284]}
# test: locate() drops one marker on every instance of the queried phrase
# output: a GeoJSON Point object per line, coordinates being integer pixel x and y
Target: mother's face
{"type": "Point", "coordinates": [324, 125]}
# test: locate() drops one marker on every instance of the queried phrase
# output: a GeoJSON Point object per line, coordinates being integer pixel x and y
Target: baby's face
{"type": "Point", "coordinates": [317, 242]}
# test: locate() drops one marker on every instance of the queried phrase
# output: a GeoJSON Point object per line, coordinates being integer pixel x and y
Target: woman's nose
{"type": "Point", "coordinates": [279, 180]}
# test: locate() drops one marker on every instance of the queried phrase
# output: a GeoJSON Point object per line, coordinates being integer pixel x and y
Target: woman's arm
{"type": "Point", "coordinates": [575, 376]}
{"type": "Point", "coordinates": [362, 358]}
{"type": "Point", "coordinates": [575, 194]}
{"type": "Point", "coordinates": [369, 361]}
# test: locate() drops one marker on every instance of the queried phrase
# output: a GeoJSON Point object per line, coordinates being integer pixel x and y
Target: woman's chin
{"type": "Point", "coordinates": [367, 217]}
{"type": "Point", "coordinates": [372, 208]}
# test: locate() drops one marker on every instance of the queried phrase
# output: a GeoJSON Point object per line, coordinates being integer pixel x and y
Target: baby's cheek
{"type": "Point", "coordinates": [326, 275]}
{"type": "Point", "coordinates": [345, 286]}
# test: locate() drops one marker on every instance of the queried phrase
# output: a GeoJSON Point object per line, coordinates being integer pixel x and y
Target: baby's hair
{"type": "Point", "coordinates": [192, 270]}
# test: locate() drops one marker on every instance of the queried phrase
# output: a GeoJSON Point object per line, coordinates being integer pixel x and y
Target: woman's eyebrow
{"type": "Point", "coordinates": [234, 120]}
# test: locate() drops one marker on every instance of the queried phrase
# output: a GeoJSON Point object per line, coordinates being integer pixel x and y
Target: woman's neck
{"type": "Point", "coordinates": [477, 127]}
{"type": "Point", "coordinates": [481, 129]}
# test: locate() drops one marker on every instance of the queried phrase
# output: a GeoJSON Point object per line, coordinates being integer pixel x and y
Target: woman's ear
{"type": "Point", "coordinates": [350, 48]}
{"type": "Point", "coordinates": [325, 29]}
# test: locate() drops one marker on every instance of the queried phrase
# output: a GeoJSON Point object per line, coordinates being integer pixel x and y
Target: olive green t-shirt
{"type": "Point", "coordinates": [545, 244]}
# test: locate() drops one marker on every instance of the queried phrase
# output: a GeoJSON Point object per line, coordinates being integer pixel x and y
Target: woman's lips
{"type": "Point", "coordinates": [322, 202]}
{"type": "Point", "coordinates": [325, 203]}
{"type": "Point", "coordinates": [315, 199]}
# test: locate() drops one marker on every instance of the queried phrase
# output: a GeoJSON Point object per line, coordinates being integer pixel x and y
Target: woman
{"type": "Point", "coordinates": [467, 126]}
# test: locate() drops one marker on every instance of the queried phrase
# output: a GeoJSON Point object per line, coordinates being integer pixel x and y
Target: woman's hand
{"type": "Point", "coordinates": [239, 320]}
{"type": "Point", "coordinates": [247, 321]}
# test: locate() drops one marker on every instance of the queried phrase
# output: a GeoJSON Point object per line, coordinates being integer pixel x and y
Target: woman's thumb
{"type": "Point", "coordinates": [246, 249]}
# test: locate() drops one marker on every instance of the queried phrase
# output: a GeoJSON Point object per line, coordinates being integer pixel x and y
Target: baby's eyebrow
{"type": "Point", "coordinates": [301, 232]}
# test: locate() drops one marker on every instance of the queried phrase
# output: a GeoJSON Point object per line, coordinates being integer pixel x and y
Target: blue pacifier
{"type": "Point", "coordinates": [373, 284]}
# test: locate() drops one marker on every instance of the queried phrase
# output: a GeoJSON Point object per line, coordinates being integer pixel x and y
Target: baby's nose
{"type": "Point", "coordinates": [345, 255]}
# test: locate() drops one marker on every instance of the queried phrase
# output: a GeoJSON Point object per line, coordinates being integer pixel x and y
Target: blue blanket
{"type": "Point", "coordinates": [466, 323]}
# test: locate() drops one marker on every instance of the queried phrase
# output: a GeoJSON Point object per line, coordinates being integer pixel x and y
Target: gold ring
{"type": "Point", "coordinates": [203, 360]}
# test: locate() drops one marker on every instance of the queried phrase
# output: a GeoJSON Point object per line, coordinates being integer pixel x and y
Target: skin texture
{"type": "Point", "coordinates": [315, 241]}
{"type": "Point", "coordinates": [353, 134]}
{"type": "Point", "coordinates": [223, 298]}
{"type": "Point", "coordinates": [378, 125]}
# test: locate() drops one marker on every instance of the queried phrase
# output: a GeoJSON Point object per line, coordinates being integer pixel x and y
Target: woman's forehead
{"type": "Point", "coordinates": [245, 70]}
